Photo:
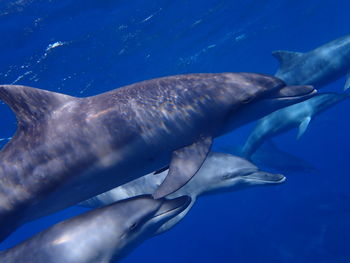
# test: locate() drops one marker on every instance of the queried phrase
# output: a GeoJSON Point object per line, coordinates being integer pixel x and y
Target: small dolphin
{"type": "Point", "coordinates": [103, 235]}
{"type": "Point", "coordinates": [219, 173]}
{"type": "Point", "coordinates": [282, 120]}
{"type": "Point", "coordinates": [69, 149]}
{"type": "Point", "coordinates": [317, 67]}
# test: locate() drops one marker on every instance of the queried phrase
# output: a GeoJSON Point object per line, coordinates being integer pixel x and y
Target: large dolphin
{"type": "Point", "coordinates": [102, 235]}
{"type": "Point", "coordinates": [297, 115]}
{"type": "Point", "coordinates": [69, 149]}
{"type": "Point", "coordinates": [317, 67]}
{"type": "Point", "coordinates": [219, 173]}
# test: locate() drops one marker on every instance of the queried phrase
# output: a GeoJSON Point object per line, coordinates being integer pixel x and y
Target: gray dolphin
{"type": "Point", "coordinates": [317, 67]}
{"type": "Point", "coordinates": [102, 235]}
{"type": "Point", "coordinates": [297, 115]}
{"type": "Point", "coordinates": [69, 149]}
{"type": "Point", "coordinates": [219, 173]}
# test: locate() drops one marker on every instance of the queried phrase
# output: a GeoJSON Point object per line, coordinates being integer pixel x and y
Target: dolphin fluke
{"type": "Point", "coordinates": [31, 104]}
{"type": "Point", "coordinates": [285, 57]}
{"type": "Point", "coordinates": [184, 164]}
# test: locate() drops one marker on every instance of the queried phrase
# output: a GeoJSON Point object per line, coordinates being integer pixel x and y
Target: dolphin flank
{"type": "Point", "coordinates": [69, 149]}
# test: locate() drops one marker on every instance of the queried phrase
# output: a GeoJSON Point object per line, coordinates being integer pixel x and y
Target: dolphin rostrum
{"type": "Point", "coordinates": [317, 67]}
{"type": "Point", "coordinates": [102, 235]}
{"type": "Point", "coordinates": [219, 173]}
{"type": "Point", "coordinates": [69, 149]}
{"type": "Point", "coordinates": [297, 115]}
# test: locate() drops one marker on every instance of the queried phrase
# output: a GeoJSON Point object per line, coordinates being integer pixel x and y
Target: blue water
{"type": "Point", "coordinates": [85, 47]}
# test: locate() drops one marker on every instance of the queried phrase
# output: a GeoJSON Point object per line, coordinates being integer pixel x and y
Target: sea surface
{"type": "Point", "coordinates": [85, 47]}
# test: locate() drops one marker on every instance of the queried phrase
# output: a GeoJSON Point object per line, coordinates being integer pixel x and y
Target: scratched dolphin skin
{"type": "Point", "coordinates": [219, 173]}
{"type": "Point", "coordinates": [297, 115]}
{"type": "Point", "coordinates": [102, 235]}
{"type": "Point", "coordinates": [317, 67]}
{"type": "Point", "coordinates": [69, 149]}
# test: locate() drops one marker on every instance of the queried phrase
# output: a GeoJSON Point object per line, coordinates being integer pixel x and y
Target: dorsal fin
{"type": "Point", "coordinates": [31, 104]}
{"type": "Point", "coordinates": [285, 57]}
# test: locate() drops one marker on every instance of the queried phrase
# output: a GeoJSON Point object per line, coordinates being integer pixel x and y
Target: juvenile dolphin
{"type": "Point", "coordinates": [297, 115]}
{"type": "Point", "coordinates": [69, 149]}
{"type": "Point", "coordinates": [102, 235]}
{"type": "Point", "coordinates": [219, 173]}
{"type": "Point", "coordinates": [317, 67]}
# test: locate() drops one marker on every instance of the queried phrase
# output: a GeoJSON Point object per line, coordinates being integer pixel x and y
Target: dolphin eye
{"type": "Point", "coordinates": [227, 176]}
{"type": "Point", "coordinates": [248, 100]}
{"type": "Point", "coordinates": [133, 226]}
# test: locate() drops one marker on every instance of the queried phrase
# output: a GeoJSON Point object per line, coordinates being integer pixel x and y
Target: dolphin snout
{"type": "Point", "coordinates": [267, 177]}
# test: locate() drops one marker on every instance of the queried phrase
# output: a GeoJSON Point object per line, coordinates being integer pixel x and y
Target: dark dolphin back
{"type": "Point", "coordinates": [31, 104]}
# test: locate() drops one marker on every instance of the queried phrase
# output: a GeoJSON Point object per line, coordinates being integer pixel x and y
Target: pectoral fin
{"type": "Point", "coordinates": [347, 83]}
{"type": "Point", "coordinates": [303, 126]}
{"type": "Point", "coordinates": [185, 162]}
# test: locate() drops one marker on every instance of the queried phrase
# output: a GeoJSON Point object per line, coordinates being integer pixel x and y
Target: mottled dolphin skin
{"type": "Point", "coordinates": [219, 173]}
{"type": "Point", "coordinates": [69, 149]}
{"type": "Point", "coordinates": [102, 235]}
{"type": "Point", "coordinates": [297, 115]}
{"type": "Point", "coordinates": [317, 67]}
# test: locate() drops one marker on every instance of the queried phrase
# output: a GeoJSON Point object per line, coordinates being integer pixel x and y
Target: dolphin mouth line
{"type": "Point", "coordinates": [278, 180]}
{"type": "Point", "coordinates": [180, 207]}
{"type": "Point", "coordinates": [310, 93]}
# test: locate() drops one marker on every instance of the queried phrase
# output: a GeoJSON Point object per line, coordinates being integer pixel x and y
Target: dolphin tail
{"type": "Point", "coordinates": [285, 58]}
{"type": "Point", "coordinates": [30, 104]}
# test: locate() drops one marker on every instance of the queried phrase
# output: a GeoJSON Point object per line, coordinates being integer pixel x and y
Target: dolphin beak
{"type": "Point", "coordinates": [266, 177]}
{"type": "Point", "coordinates": [293, 92]}
{"type": "Point", "coordinates": [176, 205]}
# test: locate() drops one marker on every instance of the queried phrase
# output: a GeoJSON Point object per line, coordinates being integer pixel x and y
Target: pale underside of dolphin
{"type": "Point", "coordinates": [69, 149]}
{"type": "Point", "coordinates": [100, 236]}
{"type": "Point", "coordinates": [317, 67]}
{"type": "Point", "coordinates": [219, 173]}
{"type": "Point", "coordinates": [297, 115]}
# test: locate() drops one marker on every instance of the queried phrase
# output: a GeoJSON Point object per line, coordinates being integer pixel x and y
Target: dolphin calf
{"type": "Point", "coordinates": [69, 149]}
{"type": "Point", "coordinates": [219, 173]}
{"type": "Point", "coordinates": [298, 115]}
{"type": "Point", "coordinates": [102, 235]}
{"type": "Point", "coordinates": [317, 67]}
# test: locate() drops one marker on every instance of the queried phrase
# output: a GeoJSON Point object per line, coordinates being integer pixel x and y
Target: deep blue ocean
{"type": "Point", "coordinates": [86, 47]}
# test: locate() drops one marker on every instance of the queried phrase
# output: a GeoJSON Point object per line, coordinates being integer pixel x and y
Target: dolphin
{"type": "Point", "coordinates": [219, 173]}
{"type": "Point", "coordinates": [68, 149]}
{"type": "Point", "coordinates": [317, 67]}
{"type": "Point", "coordinates": [298, 115]}
{"type": "Point", "coordinates": [101, 235]}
